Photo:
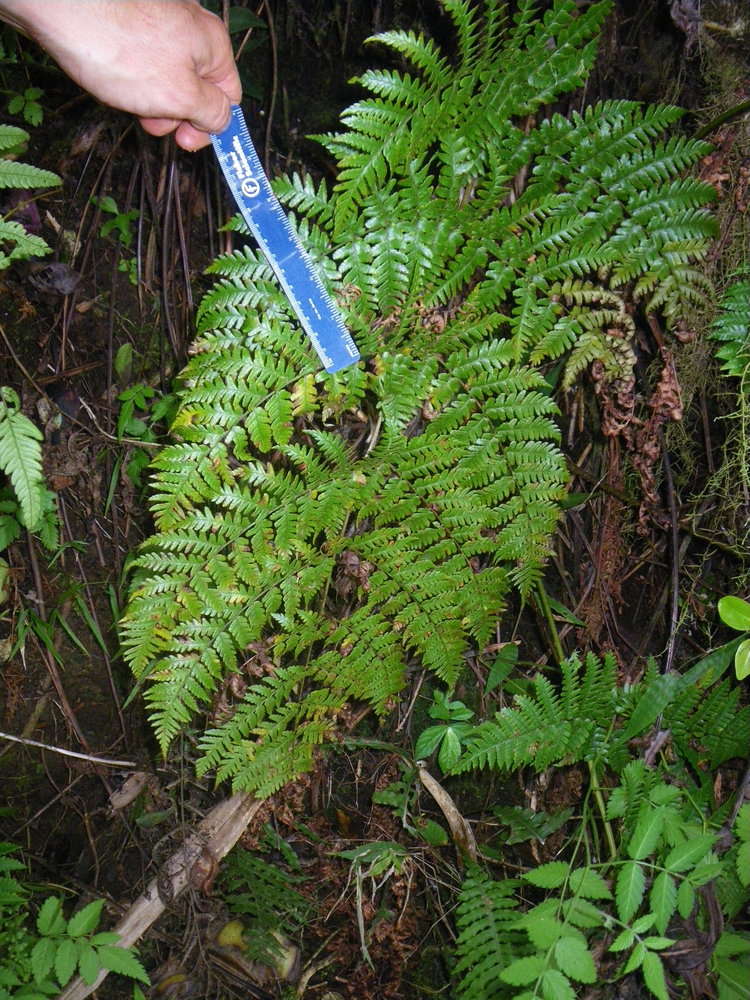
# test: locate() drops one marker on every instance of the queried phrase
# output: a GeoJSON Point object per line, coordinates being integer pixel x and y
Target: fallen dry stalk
{"type": "Point", "coordinates": [214, 837]}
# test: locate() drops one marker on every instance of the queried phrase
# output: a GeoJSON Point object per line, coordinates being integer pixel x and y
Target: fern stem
{"type": "Point", "coordinates": [596, 789]}
{"type": "Point", "coordinates": [545, 610]}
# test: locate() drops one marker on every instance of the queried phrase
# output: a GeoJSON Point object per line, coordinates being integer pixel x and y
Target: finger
{"type": "Point", "coordinates": [159, 126]}
{"type": "Point", "coordinates": [191, 139]}
{"type": "Point", "coordinates": [214, 108]}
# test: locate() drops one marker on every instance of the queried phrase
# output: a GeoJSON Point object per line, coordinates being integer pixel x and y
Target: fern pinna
{"type": "Point", "coordinates": [467, 246]}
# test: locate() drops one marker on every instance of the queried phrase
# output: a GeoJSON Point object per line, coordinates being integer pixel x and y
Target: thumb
{"type": "Point", "coordinates": [213, 108]}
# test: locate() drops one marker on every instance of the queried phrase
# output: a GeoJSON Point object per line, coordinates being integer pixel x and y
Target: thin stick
{"type": "Point", "coordinates": [215, 836]}
{"type": "Point", "coordinates": [67, 753]}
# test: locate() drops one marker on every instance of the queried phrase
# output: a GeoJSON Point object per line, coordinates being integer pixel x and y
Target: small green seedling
{"type": "Point", "coordinates": [120, 223]}
{"type": "Point", "coordinates": [735, 612]}
{"type": "Point", "coordinates": [448, 735]}
{"type": "Point", "coordinates": [28, 105]}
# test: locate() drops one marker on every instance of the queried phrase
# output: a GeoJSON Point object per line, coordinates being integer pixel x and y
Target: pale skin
{"type": "Point", "coordinates": [169, 62]}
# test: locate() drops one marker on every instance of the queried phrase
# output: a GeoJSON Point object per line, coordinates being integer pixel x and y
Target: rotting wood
{"type": "Point", "coordinates": [216, 834]}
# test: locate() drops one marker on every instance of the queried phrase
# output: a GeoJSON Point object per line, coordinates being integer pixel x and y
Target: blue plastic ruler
{"type": "Point", "coordinates": [281, 246]}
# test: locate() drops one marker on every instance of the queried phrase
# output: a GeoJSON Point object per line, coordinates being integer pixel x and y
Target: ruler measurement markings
{"type": "Point", "coordinates": [281, 246]}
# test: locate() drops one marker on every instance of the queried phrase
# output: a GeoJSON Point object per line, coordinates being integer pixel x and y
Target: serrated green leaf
{"type": "Point", "coordinates": [22, 175]}
{"type": "Point", "coordinates": [685, 899]}
{"type": "Point", "coordinates": [644, 923]}
{"type": "Point", "coordinates": [450, 749]}
{"type": "Point", "coordinates": [646, 834]}
{"type": "Point", "coordinates": [104, 937]}
{"type": "Point", "coordinates": [735, 613]}
{"type": "Point", "coordinates": [635, 960]}
{"type": "Point", "coordinates": [663, 795]}
{"type": "Point", "coordinates": [88, 963]}
{"type": "Point", "coordinates": [66, 960]}
{"type": "Point", "coordinates": [589, 883]}
{"type": "Point", "coordinates": [11, 135]}
{"type": "Point", "coordinates": [428, 741]}
{"type": "Point", "coordinates": [523, 971]}
{"type": "Point", "coordinates": [259, 428]}
{"type": "Point", "coordinates": [658, 943]}
{"type": "Point", "coordinates": [623, 941]}
{"type": "Point", "coordinates": [528, 825]}
{"type": "Point", "coordinates": [732, 978]}
{"type": "Point", "coordinates": [742, 823]}
{"type": "Point", "coordinates": [581, 913]}
{"type": "Point", "coordinates": [86, 920]}
{"type": "Point", "coordinates": [631, 884]}
{"type": "Point", "coordinates": [548, 876]}
{"type": "Point", "coordinates": [21, 461]}
{"type": "Point", "coordinates": [732, 944]}
{"type": "Point", "coordinates": [575, 959]}
{"type": "Point", "coordinates": [705, 871]}
{"type": "Point", "coordinates": [743, 863]}
{"type": "Point", "coordinates": [556, 986]}
{"type": "Point", "coordinates": [663, 900]}
{"type": "Point", "coordinates": [544, 931]}
{"type": "Point", "coordinates": [43, 957]}
{"type": "Point", "coordinates": [50, 919]}
{"type": "Point", "coordinates": [653, 975]}
{"type": "Point", "coordinates": [686, 855]}
{"type": "Point", "coordinates": [122, 960]}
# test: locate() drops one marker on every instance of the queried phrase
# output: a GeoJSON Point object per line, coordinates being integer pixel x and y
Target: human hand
{"type": "Point", "coordinates": [169, 62]}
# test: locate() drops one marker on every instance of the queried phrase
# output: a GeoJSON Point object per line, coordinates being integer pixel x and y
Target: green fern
{"type": "Point", "coordinates": [488, 935]}
{"type": "Point", "coordinates": [731, 328]}
{"type": "Point", "coordinates": [21, 458]}
{"type": "Point", "coordinates": [267, 898]}
{"type": "Point", "coordinates": [590, 717]}
{"type": "Point", "coordinates": [19, 175]}
{"type": "Point", "coordinates": [464, 244]}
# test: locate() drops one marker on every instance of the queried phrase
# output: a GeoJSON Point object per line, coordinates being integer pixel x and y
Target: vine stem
{"type": "Point", "coordinates": [546, 611]}
{"type": "Point", "coordinates": [596, 789]}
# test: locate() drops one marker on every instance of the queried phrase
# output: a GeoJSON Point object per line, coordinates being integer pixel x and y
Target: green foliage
{"type": "Point", "coordinates": [39, 962]}
{"type": "Point", "coordinates": [15, 242]}
{"type": "Point", "coordinates": [119, 223]}
{"type": "Point", "coordinates": [466, 243]}
{"type": "Point", "coordinates": [660, 825]}
{"type": "Point", "coordinates": [447, 735]}
{"type": "Point", "coordinates": [590, 718]}
{"type": "Point", "coordinates": [142, 409]}
{"type": "Point", "coordinates": [735, 612]}
{"type": "Point", "coordinates": [28, 104]}
{"type": "Point", "coordinates": [267, 898]}
{"type": "Point", "coordinates": [21, 458]}
{"type": "Point", "coordinates": [731, 328]}
{"type": "Point", "coordinates": [66, 946]}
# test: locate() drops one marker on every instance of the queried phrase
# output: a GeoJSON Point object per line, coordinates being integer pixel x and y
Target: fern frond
{"type": "Point", "coordinates": [415, 491]}
{"type": "Point", "coordinates": [21, 458]}
{"type": "Point", "coordinates": [731, 328]}
{"type": "Point", "coordinates": [488, 938]}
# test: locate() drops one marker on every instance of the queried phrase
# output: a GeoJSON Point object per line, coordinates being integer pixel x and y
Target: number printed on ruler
{"type": "Point", "coordinates": [280, 245]}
